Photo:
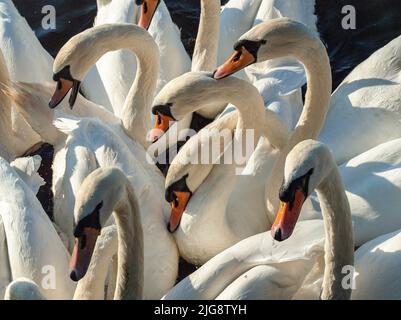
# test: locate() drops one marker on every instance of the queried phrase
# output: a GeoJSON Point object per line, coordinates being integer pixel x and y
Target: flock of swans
{"type": "Point", "coordinates": [122, 223]}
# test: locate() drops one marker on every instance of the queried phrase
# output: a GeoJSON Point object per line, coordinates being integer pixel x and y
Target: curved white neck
{"type": "Point", "coordinates": [94, 43]}
{"type": "Point", "coordinates": [130, 274]}
{"type": "Point", "coordinates": [317, 101]}
{"type": "Point", "coordinates": [91, 287]}
{"type": "Point", "coordinates": [207, 41]}
{"type": "Point", "coordinates": [252, 113]}
{"type": "Point", "coordinates": [206, 48]}
{"type": "Point", "coordinates": [339, 244]}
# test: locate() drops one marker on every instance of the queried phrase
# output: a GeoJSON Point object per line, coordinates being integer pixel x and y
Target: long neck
{"type": "Point", "coordinates": [91, 287]}
{"type": "Point", "coordinates": [339, 245]}
{"type": "Point", "coordinates": [130, 274]}
{"type": "Point", "coordinates": [94, 43]}
{"type": "Point", "coordinates": [252, 113]}
{"type": "Point", "coordinates": [207, 40]}
{"type": "Point", "coordinates": [311, 121]}
{"type": "Point", "coordinates": [6, 146]}
{"type": "Point", "coordinates": [206, 47]}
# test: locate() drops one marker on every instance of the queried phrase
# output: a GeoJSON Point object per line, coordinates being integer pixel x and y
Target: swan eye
{"type": "Point", "coordinates": [237, 56]}
{"type": "Point", "coordinates": [82, 242]}
{"type": "Point", "coordinates": [176, 202]}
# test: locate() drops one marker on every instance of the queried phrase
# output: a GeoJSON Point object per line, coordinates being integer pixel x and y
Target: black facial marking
{"type": "Point", "coordinates": [198, 122]}
{"type": "Point", "coordinates": [164, 109]}
{"type": "Point", "coordinates": [180, 186]}
{"type": "Point", "coordinates": [139, 2]}
{"type": "Point", "coordinates": [74, 93]}
{"type": "Point", "coordinates": [287, 194]}
{"type": "Point", "coordinates": [168, 157]}
{"type": "Point", "coordinates": [90, 221]}
{"type": "Point", "coordinates": [251, 46]}
{"type": "Point", "coordinates": [64, 73]}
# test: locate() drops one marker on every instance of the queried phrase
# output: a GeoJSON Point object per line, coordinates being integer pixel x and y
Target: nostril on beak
{"type": "Point", "coordinates": [278, 235]}
{"type": "Point", "coordinates": [74, 276]}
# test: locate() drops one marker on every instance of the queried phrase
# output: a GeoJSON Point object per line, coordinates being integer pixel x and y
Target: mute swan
{"type": "Point", "coordinates": [28, 61]}
{"type": "Point", "coordinates": [35, 250]}
{"type": "Point", "coordinates": [346, 121]}
{"type": "Point", "coordinates": [76, 57]}
{"type": "Point", "coordinates": [104, 191]}
{"type": "Point", "coordinates": [208, 208]}
{"type": "Point", "coordinates": [259, 268]}
{"type": "Point", "coordinates": [310, 166]}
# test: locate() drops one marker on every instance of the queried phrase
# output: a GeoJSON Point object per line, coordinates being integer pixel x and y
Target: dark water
{"type": "Point", "coordinates": [378, 22]}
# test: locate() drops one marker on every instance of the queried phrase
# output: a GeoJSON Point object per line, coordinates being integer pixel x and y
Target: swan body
{"type": "Point", "coordinates": [364, 110]}
{"type": "Point", "coordinates": [32, 242]}
{"type": "Point", "coordinates": [377, 263]}
{"type": "Point", "coordinates": [281, 267]}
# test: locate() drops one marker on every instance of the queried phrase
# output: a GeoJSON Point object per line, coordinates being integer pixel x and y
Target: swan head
{"type": "Point", "coordinates": [97, 197]}
{"type": "Point", "coordinates": [275, 38]}
{"type": "Point", "coordinates": [306, 166]}
{"type": "Point", "coordinates": [185, 175]}
{"type": "Point", "coordinates": [148, 9]}
{"type": "Point", "coordinates": [190, 92]}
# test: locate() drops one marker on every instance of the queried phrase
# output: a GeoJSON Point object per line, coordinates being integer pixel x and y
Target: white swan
{"type": "Point", "coordinates": [259, 268]}
{"type": "Point", "coordinates": [28, 61]}
{"type": "Point", "coordinates": [92, 144]}
{"type": "Point", "coordinates": [211, 208]}
{"type": "Point", "coordinates": [351, 119]}
{"type": "Point", "coordinates": [104, 191]}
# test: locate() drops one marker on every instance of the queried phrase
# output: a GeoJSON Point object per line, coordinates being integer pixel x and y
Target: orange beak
{"type": "Point", "coordinates": [63, 87]}
{"type": "Point", "coordinates": [239, 60]}
{"type": "Point", "coordinates": [287, 217]}
{"type": "Point", "coordinates": [148, 9]}
{"type": "Point", "coordinates": [82, 253]}
{"type": "Point", "coordinates": [177, 209]}
{"type": "Point", "coordinates": [161, 126]}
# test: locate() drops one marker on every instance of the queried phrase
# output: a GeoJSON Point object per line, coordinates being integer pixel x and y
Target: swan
{"type": "Point", "coordinates": [92, 144]}
{"type": "Point", "coordinates": [90, 287]}
{"type": "Point", "coordinates": [298, 268]}
{"type": "Point", "coordinates": [207, 206]}
{"type": "Point", "coordinates": [76, 58]}
{"type": "Point", "coordinates": [34, 247]}
{"type": "Point", "coordinates": [28, 61]}
{"type": "Point", "coordinates": [104, 191]}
